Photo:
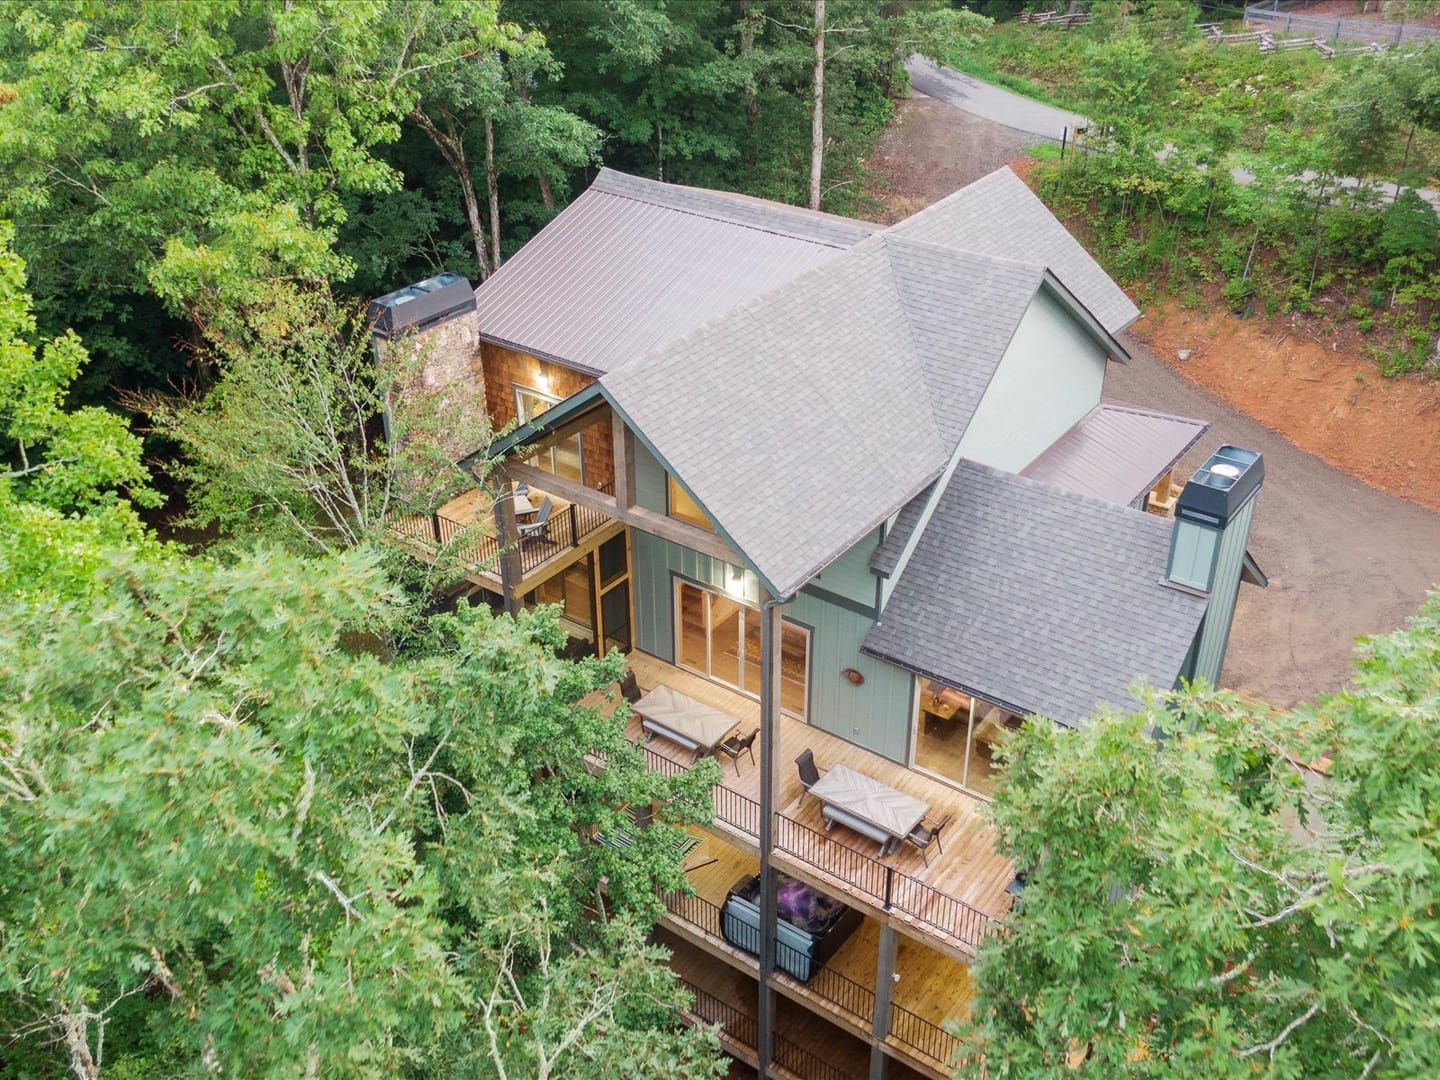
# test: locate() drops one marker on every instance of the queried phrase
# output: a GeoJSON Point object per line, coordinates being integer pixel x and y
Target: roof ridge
{"type": "Point", "coordinates": [604, 182]}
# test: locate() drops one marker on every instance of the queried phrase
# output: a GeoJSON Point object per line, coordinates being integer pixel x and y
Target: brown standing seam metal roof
{"type": "Point", "coordinates": [1116, 452]}
{"type": "Point", "coordinates": [632, 264]}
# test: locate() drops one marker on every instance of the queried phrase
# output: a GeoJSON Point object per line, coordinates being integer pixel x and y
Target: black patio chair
{"type": "Point", "coordinates": [736, 745]}
{"type": "Point", "coordinates": [809, 774]}
{"type": "Point", "coordinates": [629, 688]}
{"type": "Point", "coordinates": [927, 833]}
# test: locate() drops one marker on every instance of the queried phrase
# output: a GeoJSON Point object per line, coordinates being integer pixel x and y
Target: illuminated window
{"type": "Point", "coordinates": [686, 508]}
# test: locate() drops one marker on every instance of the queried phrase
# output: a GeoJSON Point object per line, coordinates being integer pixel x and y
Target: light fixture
{"type": "Point", "coordinates": [735, 582]}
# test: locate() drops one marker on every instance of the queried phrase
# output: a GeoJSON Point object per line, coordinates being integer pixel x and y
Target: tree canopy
{"type": "Point", "coordinates": [1197, 903]}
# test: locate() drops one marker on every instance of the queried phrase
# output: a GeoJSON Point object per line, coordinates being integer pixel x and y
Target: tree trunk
{"type": "Point", "coordinates": [747, 49]}
{"type": "Point", "coordinates": [452, 149]}
{"type": "Point", "coordinates": [817, 118]}
{"type": "Point", "coordinates": [492, 190]}
{"type": "Point", "coordinates": [547, 193]}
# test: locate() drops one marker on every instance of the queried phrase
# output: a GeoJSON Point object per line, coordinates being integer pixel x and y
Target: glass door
{"type": "Point", "coordinates": [719, 637]}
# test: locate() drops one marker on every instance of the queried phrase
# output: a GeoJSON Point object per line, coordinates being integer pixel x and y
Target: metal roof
{"type": "Point", "coordinates": [1038, 598]}
{"type": "Point", "coordinates": [1116, 452]}
{"type": "Point", "coordinates": [999, 215]}
{"type": "Point", "coordinates": [633, 263]}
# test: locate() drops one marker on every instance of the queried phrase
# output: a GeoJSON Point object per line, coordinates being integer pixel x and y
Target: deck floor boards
{"type": "Point", "coordinates": [969, 868]}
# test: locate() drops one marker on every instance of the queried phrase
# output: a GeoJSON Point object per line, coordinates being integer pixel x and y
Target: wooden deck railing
{"type": "Point", "coordinates": [742, 1029]}
{"type": "Point", "coordinates": [841, 991]}
{"type": "Point", "coordinates": [892, 889]}
{"type": "Point", "coordinates": [926, 1039]}
{"type": "Point", "coordinates": [481, 550]}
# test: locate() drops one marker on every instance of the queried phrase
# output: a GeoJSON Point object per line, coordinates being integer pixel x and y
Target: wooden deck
{"type": "Point", "coordinates": [842, 1053]}
{"type": "Point", "coordinates": [469, 521]}
{"type": "Point", "coordinates": [969, 869]}
{"type": "Point", "coordinates": [933, 986]}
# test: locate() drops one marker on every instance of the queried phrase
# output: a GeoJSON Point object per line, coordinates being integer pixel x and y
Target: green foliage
{"type": "Point", "coordinates": [1196, 904]}
{"type": "Point", "coordinates": [252, 851]}
{"type": "Point", "coordinates": [1173, 116]}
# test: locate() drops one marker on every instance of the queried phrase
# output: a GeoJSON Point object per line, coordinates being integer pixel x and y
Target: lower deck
{"type": "Point", "coordinates": [930, 986]}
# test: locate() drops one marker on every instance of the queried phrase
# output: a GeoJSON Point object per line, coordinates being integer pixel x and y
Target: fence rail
{"type": "Point", "coordinates": [1287, 20]}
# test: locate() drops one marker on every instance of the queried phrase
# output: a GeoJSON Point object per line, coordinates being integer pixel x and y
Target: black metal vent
{"type": "Point", "coordinates": [420, 305]}
{"type": "Point", "coordinates": [1221, 486]}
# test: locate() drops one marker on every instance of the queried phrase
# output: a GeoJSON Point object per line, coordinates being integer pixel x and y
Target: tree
{"type": "Point", "coordinates": [233, 849]}
{"type": "Point", "coordinates": [1197, 904]}
{"type": "Point", "coordinates": [69, 477]}
{"type": "Point", "coordinates": [351, 448]}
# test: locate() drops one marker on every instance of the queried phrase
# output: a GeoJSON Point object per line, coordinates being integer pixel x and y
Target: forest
{"type": "Point", "coordinates": [267, 809]}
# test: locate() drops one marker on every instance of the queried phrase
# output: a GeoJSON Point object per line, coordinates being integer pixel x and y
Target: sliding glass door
{"type": "Point", "coordinates": [719, 637]}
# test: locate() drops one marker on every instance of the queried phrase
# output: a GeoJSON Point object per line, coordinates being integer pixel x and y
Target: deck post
{"type": "Point", "coordinates": [770, 638]}
{"type": "Point", "coordinates": [884, 989]}
{"type": "Point", "coordinates": [508, 535]}
{"type": "Point", "coordinates": [623, 452]}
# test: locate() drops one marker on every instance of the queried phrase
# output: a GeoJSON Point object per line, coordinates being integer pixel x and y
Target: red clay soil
{"type": "Point", "coordinates": [1334, 404]}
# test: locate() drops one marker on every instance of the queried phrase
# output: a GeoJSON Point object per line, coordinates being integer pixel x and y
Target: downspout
{"type": "Point", "coordinates": [769, 904]}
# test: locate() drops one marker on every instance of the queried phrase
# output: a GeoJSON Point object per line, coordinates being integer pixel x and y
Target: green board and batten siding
{"type": "Point", "coordinates": [1029, 383]}
{"type": "Point", "coordinates": [876, 714]}
{"type": "Point", "coordinates": [1215, 631]}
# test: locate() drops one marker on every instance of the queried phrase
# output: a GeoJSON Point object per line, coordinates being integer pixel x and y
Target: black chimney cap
{"type": "Point", "coordinates": [1221, 486]}
{"type": "Point", "coordinates": [422, 304]}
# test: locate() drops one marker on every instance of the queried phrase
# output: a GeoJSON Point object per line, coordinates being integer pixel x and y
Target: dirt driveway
{"type": "Point", "coordinates": [1344, 559]}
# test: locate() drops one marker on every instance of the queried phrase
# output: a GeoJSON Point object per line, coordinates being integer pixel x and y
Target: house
{"type": "Point", "coordinates": [878, 458]}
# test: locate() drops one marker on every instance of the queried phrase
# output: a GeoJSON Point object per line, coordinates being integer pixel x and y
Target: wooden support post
{"type": "Point", "coordinates": [771, 622]}
{"type": "Point", "coordinates": [508, 534]}
{"type": "Point", "coordinates": [624, 452]}
{"type": "Point", "coordinates": [884, 990]}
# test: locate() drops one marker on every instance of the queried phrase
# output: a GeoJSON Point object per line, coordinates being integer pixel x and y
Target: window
{"type": "Point", "coordinates": [565, 458]}
{"type": "Point", "coordinates": [719, 637]}
{"type": "Point", "coordinates": [957, 735]}
{"type": "Point", "coordinates": [686, 508]}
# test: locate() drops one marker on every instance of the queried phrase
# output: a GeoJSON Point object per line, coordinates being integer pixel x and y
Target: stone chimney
{"type": "Point", "coordinates": [1207, 547]}
{"type": "Point", "coordinates": [433, 324]}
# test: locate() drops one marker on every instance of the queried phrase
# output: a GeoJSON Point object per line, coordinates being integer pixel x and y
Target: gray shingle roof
{"type": "Point", "coordinates": [999, 215]}
{"type": "Point", "coordinates": [805, 417]}
{"type": "Point", "coordinates": [800, 420]}
{"type": "Point", "coordinates": [633, 263]}
{"type": "Point", "coordinates": [1116, 452]}
{"type": "Point", "coordinates": [887, 553]}
{"type": "Point", "coordinates": [1037, 598]}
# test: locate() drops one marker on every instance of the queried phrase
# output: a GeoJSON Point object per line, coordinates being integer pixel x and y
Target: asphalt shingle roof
{"type": "Point", "coordinates": [805, 417]}
{"type": "Point", "coordinates": [1037, 598]}
{"type": "Point", "coordinates": [999, 215]}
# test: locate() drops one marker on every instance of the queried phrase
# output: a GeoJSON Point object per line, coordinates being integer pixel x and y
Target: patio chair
{"type": "Point", "coordinates": [536, 530]}
{"type": "Point", "coordinates": [809, 774]}
{"type": "Point", "coordinates": [629, 688]}
{"type": "Point", "coordinates": [736, 745]}
{"type": "Point", "coordinates": [927, 833]}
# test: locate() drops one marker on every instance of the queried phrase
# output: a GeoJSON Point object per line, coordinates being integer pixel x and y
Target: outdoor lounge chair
{"type": "Point", "coordinates": [809, 774]}
{"type": "Point", "coordinates": [925, 834]}
{"type": "Point", "coordinates": [629, 688]}
{"type": "Point", "coordinates": [736, 745]}
{"type": "Point", "coordinates": [536, 530]}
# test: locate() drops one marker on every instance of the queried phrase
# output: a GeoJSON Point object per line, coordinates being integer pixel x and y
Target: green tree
{"type": "Point", "coordinates": [237, 840]}
{"type": "Point", "coordinates": [69, 478]}
{"type": "Point", "coordinates": [1199, 905]}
